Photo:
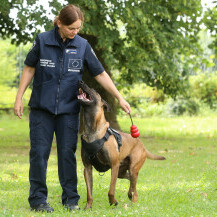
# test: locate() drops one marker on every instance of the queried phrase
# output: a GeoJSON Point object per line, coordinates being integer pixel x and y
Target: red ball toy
{"type": "Point", "coordinates": [134, 129]}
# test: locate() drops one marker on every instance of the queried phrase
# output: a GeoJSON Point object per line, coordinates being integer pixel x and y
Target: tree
{"type": "Point", "coordinates": [143, 40]}
{"type": "Point", "coordinates": [210, 20]}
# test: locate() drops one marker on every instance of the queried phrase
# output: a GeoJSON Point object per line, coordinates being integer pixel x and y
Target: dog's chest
{"type": "Point", "coordinates": [97, 154]}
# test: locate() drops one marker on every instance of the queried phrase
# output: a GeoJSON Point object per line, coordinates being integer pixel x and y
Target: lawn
{"type": "Point", "coordinates": [183, 185]}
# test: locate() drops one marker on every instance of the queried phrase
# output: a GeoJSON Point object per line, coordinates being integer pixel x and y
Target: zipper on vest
{"type": "Point", "coordinates": [60, 77]}
{"type": "Point", "coordinates": [57, 98]}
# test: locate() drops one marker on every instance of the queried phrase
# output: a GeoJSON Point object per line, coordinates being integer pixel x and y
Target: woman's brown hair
{"type": "Point", "coordinates": [69, 15]}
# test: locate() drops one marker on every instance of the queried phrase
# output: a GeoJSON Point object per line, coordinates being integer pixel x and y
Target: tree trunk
{"type": "Point", "coordinates": [91, 82]}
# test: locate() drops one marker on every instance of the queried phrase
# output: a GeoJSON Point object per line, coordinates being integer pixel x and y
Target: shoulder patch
{"type": "Point", "coordinates": [93, 52]}
{"type": "Point", "coordinates": [33, 45]}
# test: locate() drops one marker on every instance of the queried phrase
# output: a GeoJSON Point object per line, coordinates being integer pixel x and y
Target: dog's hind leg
{"type": "Point", "coordinates": [114, 175]}
{"type": "Point", "coordinates": [89, 183]}
{"type": "Point", "coordinates": [132, 193]}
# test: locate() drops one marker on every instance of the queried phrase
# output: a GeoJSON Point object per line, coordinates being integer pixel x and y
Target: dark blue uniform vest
{"type": "Point", "coordinates": [58, 70]}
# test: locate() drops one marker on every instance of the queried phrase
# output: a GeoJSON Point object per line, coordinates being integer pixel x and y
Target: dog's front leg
{"type": "Point", "coordinates": [114, 175]}
{"type": "Point", "coordinates": [89, 183]}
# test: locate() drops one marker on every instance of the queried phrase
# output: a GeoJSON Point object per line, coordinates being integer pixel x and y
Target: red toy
{"type": "Point", "coordinates": [134, 129]}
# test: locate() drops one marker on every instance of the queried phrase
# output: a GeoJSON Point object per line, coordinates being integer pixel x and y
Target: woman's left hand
{"type": "Point", "coordinates": [125, 105]}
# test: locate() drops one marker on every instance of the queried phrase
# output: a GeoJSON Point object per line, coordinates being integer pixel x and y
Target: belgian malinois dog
{"type": "Point", "coordinates": [125, 161]}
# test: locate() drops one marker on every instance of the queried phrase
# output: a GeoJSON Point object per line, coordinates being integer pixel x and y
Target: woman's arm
{"type": "Point", "coordinates": [105, 81]}
{"type": "Point", "coordinates": [28, 73]}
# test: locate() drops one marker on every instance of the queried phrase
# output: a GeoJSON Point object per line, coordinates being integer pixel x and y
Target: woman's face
{"type": "Point", "coordinates": [69, 31]}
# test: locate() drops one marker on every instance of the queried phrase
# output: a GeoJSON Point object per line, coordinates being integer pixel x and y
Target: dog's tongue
{"type": "Point", "coordinates": [83, 96]}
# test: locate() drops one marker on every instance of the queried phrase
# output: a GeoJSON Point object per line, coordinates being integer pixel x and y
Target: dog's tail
{"type": "Point", "coordinates": [153, 156]}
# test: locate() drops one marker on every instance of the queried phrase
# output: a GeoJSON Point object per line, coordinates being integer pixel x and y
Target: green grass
{"type": "Point", "coordinates": [183, 185]}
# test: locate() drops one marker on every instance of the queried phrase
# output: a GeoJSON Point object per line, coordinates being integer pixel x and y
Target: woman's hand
{"type": "Point", "coordinates": [18, 108]}
{"type": "Point", "coordinates": [28, 73]}
{"type": "Point", "coordinates": [125, 105]}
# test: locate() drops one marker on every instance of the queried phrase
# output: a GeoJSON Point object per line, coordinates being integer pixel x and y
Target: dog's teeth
{"type": "Point", "coordinates": [80, 91]}
{"type": "Point", "coordinates": [83, 96]}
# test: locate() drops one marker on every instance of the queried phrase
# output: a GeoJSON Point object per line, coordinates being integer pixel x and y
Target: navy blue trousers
{"type": "Point", "coordinates": [43, 125]}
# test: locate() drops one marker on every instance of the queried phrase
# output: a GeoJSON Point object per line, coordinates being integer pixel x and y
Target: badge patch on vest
{"type": "Point", "coordinates": [74, 65]}
{"type": "Point", "coordinates": [47, 63]}
{"type": "Point", "coordinates": [71, 51]}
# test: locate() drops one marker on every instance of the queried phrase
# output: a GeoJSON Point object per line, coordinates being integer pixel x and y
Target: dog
{"type": "Point", "coordinates": [105, 148]}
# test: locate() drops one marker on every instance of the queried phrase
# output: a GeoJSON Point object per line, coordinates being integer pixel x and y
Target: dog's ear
{"type": "Point", "coordinates": [106, 105]}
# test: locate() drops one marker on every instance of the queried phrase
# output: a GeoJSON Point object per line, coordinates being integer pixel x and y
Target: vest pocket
{"type": "Point", "coordinates": [48, 92]}
{"type": "Point", "coordinates": [44, 95]}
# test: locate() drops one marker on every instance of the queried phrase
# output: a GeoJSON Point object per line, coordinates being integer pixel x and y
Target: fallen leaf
{"type": "Point", "coordinates": [14, 176]}
{"type": "Point", "coordinates": [204, 194]}
{"type": "Point", "coordinates": [126, 206]}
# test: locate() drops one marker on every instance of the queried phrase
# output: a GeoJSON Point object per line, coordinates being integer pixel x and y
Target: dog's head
{"type": "Point", "coordinates": [88, 97]}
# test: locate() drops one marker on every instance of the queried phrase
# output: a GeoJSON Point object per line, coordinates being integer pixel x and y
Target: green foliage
{"type": "Point", "coordinates": [11, 58]}
{"type": "Point", "coordinates": [204, 87]}
{"type": "Point", "coordinates": [200, 98]}
{"type": "Point", "coordinates": [140, 93]}
{"type": "Point", "coordinates": [210, 20]}
{"type": "Point", "coordinates": [155, 43]}
{"type": "Point", "coordinates": [8, 95]}
{"type": "Point", "coordinates": [143, 40]}
{"type": "Point", "coordinates": [182, 106]}
{"type": "Point", "coordinates": [9, 73]}
{"type": "Point", "coordinates": [8, 62]}
{"type": "Point", "coordinates": [144, 100]}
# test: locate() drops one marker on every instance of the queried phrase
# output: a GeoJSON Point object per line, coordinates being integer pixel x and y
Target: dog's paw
{"type": "Point", "coordinates": [130, 195]}
{"type": "Point", "coordinates": [115, 203]}
{"type": "Point", "coordinates": [88, 207]}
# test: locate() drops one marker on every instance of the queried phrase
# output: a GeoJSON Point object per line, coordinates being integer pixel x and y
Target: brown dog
{"type": "Point", "coordinates": [125, 161]}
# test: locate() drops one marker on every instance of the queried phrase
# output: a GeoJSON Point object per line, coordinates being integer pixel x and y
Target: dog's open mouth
{"type": "Point", "coordinates": [84, 96]}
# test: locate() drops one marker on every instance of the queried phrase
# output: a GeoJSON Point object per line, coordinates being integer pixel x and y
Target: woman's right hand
{"type": "Point", "coordinates": [26, 78]}
{"type": "Point", "coordinates": [18, 108]}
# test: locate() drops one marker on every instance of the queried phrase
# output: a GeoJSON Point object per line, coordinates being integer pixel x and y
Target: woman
{"type": "Point", "coordinates": [56, 62]}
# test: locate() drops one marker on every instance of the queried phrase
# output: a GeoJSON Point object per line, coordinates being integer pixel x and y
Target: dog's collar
{"type": "Point", "coordinates": [93, 147]}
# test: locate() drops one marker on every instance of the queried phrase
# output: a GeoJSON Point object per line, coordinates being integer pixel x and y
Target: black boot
{"type": "Point", "coordinates": [44, 207]}
{"type": "Point", "coordinates": [71, 207]}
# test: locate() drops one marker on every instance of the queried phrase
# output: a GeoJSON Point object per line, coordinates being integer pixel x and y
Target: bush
{"type": "Point", "coordinates": [184, 106]}
{"type": "Point", "coordinates": [147, 101]}
{"type": "Point", "coordinates": [204, 87]}
{"type": "Point", "coordinates": [140, 93]}
{"type": "Point", "coordinates": [8, 95]}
